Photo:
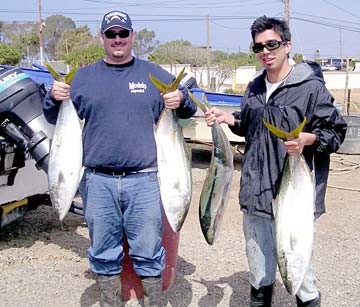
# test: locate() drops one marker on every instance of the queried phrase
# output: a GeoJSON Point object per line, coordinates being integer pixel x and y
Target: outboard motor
{"type": "Point", "coordinates": [188, 81]}
{"type": "Point", "coordinates": [22, 121]}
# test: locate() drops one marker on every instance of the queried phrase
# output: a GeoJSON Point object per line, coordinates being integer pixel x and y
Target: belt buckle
{"type": "Point", "coordinates": [118, 174]}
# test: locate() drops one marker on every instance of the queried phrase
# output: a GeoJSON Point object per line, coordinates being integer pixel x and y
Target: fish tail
{"type": "Point", "coordinates": [162, 87]}
{"type": "Point", "coordinates": [197, 102]}
{"type": "Point", "coordinates": [206, 102]}
{"type": "Point", "coordinates": [283, 134]}
{"type": "Point", "coordinates": [175, 84]}
{"type": "Point", "coordinates": [67, 78]}
{"type": "Point", "coordinates": [165, 88]}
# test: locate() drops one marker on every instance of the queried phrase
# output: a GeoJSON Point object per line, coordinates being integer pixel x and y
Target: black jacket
{"type": "Point", "coordinates": [302, 94]}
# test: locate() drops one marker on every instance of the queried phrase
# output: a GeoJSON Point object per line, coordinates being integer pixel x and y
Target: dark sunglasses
{"type": "Point", "coordinates": [112, 34]}
{"type": "Point", "coordinates": [270, 45]}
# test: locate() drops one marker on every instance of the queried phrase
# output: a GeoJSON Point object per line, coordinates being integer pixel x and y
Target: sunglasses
{"type": "Point", "coordinates": [112, 34]}
{"type": "Point", "coordinates": [270, 45]}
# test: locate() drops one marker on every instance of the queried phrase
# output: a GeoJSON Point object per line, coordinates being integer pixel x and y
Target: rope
{"type": "Point", "coordinates": [343, 188]}
{"type": "Point", "coordinates": [349, 167]}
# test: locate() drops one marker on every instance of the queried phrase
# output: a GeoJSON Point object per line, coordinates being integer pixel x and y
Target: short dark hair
{"type": "Point", "coordinates": [264, 23]}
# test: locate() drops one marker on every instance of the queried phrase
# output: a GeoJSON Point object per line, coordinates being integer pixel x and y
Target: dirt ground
{"type": "Point", "coordinates": [341, 95]}
{"type": "Point", "coordinates": [42, 264]}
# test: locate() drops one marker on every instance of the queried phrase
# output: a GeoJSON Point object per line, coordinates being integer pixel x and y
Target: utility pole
{"type": "Point", "coordinates": [40, 34]}
{"type": "Point", "coordinates": [347, 90]}
{"type": "Point", "coordinates": [208, 50]}
{"type": "Point", "coordinates": [341, 53]}
{"type": "Point", "coordinates": [287, 11]}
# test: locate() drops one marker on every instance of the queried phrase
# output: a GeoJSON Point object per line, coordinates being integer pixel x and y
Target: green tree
{"type": "Point", "coordinates": [298, 57]}
{"type": "Point", "coordinates": [253, 61]}
{"type": "Point", "coordinates": [174, 52]}
{"type": "Point", "coordinates": [225, 64]}
{"type": "Point", "coordinates": [219, 56]}
{"type": "Point", "coordinates": [23, 37]}
{"type": "Point", "coordinates": [8, 55]}
{"type": "Point", "coordinates": [55, 25]}
{"type": "Point", "coordinates": [84, 57]}
{"type": "Point", "coordinates": [75, 39]}
{"type": "Point", "coordinates": [144, 43]}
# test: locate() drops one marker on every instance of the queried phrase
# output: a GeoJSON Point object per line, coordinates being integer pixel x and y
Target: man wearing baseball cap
{"type": "Point", "coordinates": [120, 188]}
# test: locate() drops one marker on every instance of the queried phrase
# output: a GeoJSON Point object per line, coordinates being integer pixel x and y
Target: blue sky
{"type": "Point", "coordinates": [330, 26]}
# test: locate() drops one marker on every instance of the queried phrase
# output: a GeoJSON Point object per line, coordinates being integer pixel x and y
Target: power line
{"type": "Point", "coordinates": [342, 9]}
{"type": "Point", "coordinates": [162, 4]}
{"type": "Point", "coordinates": [331, 25]}
{"type": "Point", "coordinates": [226, 27]}
{"type": "Point", "coordinates": [180, 5]}
{"type": "Point", "coordinates": [327, 18]}
{"type": "Point", "coordinates": [173, 18]}
{"type": "Point", "coordinates": [186, 18]}
{"type": "Point", "coordinates": [216, 20]}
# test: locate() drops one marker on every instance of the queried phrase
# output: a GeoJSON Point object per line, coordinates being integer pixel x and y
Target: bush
{"type": "Point", "coordinates": [8, 55]}
{"type": "Point", "coordinates": [235, 92]}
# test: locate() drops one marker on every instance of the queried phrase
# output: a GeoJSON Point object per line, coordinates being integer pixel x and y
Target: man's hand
{"type": "Point", "coordinates": [296, 146]}
{"type": "Point", "coordinates": [173, 99]}
{"type": "Point", "coordinates": [216, 115]}
{"type": "Point", "coordinates": [60, 91]}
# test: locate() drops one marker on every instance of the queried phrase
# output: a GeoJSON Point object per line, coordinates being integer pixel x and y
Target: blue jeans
{"type": "Point", "coordinates": [259, 235]}
{"type": "Point", "coordinates": [114, 205]}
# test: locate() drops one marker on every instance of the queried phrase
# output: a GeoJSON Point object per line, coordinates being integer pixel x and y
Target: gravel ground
{"type": "Point", "coordinates": [42, 264]}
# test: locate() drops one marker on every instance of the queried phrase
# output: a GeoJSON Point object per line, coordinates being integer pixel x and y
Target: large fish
{"type": "Point", "coordinates": [174, 167]}
{"type": "Point", "coordinates": [65, 161]}
{"type": "Point", "coordinates": [293, 210]}
{"type": "Point", "coordinates": [216, 188]}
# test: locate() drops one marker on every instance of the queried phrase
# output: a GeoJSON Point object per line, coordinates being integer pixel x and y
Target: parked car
{"type": "Point", "coordinates": [329, 67]}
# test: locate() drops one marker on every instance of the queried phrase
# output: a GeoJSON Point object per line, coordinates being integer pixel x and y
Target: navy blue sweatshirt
{"type": "Point", "coordinates": [120, 106]}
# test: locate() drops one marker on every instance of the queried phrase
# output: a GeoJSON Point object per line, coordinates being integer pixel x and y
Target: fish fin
{"type": "Point", "coordinates": [82, 123]}
{"type": "Point", "coordinates": [283, 134]}
{"type": "Point", "coordinates": [166, 88]}
{"type": "Point", "coordinates": [67, 78]}
{"type": "Point", "coordinates": [197, 102]}
{"type": "Point", "coordinates": [275, 205]}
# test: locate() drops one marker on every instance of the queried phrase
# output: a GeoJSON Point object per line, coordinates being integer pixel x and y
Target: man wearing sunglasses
{"type": "Point", "coordinates": [282, 95]}
{"type": "Point", "coordinates": [120, 189]}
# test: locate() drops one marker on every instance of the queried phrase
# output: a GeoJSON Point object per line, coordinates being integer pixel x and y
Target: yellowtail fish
{"type": "Point", "coordinates": [174, 166]}
{"type": "Point", "coordinates": [216, 189]}
{"type": "Point", "coordinates": [294, 215]}
{"type": "Point", "coordinates": [65, 161]}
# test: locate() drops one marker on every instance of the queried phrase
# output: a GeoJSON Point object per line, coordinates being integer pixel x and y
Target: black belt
{"type": "Point", "coordinates": [114, 172]}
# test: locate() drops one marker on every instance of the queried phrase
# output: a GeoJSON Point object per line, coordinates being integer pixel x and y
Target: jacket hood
{"type": "Point", "coordinates": [305, 70]}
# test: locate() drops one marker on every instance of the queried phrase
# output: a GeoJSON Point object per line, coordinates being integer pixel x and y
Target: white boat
{"type": "Point", "coordinates": [195, 129]}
